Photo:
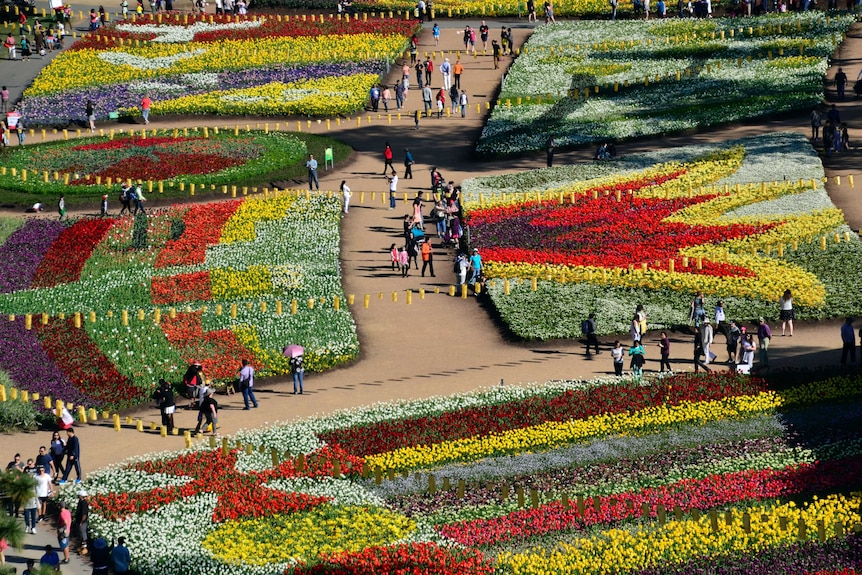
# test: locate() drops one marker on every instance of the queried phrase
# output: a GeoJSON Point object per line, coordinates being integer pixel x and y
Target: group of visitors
{"type": "Point", "coordinates": [39, 40]}
{"type": "Point", "coordinates": [835, 135]}
{"type": "Point", "coordinates": [741, 343]}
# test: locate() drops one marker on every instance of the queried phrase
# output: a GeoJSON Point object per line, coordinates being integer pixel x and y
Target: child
{"type": "Point", "coordinates": [404, 260]}
{"type": "Point", "coordinates": [617, 355]}
{"type": "Point", "coordinates": [637, 352]}
{"type": "Point", "coordinates": [393, 254]}
{"type": "Point", "coordinates": [664, 344]}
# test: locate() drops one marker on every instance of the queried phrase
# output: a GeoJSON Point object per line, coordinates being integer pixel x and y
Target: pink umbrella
{"type": "Point", "coordinates": [293, 350]}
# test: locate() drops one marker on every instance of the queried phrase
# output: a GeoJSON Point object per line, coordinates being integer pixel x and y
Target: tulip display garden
{"type": "Point", "coordinates": [100, 308]}
{"type": "Point", "coordinates": [590, 81]}
{"type": "Point", "coordinates": [270, 65]}
{"type": "Point", "coordinates": [741, 221]}
{"type": "Point", "coordinates": [717, 473]}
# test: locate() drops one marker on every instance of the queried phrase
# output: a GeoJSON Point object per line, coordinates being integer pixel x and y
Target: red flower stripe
{"type": "Point", "coordinates": [67, 255]}
{"type": "Point", "coordinates": [404, 559]}
{"type": "Point", "coordinates": [85, 365]}
{"type": "Point", "coordinates": [160, 166]}
{"type": "Point", "coordinates": [204, 225]}
{"type": "Point", "coordinates": [181, 288]}
{"type": "Point", "coordinates": [689, 494]}
{"type": "Point", "coordinates": [389, 435]}
{"type": "Point", "coordinates": [218, 350]}
{"type": "Point", "coordinates": [131, 142]}
{"type": "Point", "coordinates": [240, 495]}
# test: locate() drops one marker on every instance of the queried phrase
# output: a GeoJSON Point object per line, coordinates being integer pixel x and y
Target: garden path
{"type": "Point", "coordinates": [441, 344]}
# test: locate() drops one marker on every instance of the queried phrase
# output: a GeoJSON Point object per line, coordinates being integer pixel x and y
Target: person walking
{"type": "Point", "coordinates": [246, 384]}
{"type": "Point", "coordinates": [786, 313]}
{"type": "Point", "coordinates": [732, 341]}
{"type": "Point", "coordinates": [82, 520]}
{"type": "Point", "coordinates": [840, 82]}
{"type": "Point", "coordinates": [427, 258]}
{"type": "Point", "coordinates": [208, 412]}
{"type": "Point", "coordinates": [446, 71]}
{"type": "Point", "coordinates": [816, 121]}
{"type": "Point", "coordinates": [664, 345]}
{"type": "Point", "coordinates": [698, 352]}
{"type": "Point", "coordinates": [387, 159]}
{"type": "Point", "coordinates": [441, 103]}
{"type": "Point", "coordinates": [848, 339]}
{"type": "Point", "coordinates": [495, 49]}
{"type": "Point", "coordinates": [764, 335]}
{"type": "Point", "coordinates": [64, 528]}
{"type": "Point", "coordinates": [429, 69]}
{"type": "Point", "coordinates": [91, 115]}
{"type": "Point", "coordinates": [408, 164]}
{"type": "Point", "coordinates": [311, 164]}
{"type": "Point", "coordinates": [637, 353]}
{"type": "Point", "coordinates": [58, 450]}
{"type": "Point", "coordinates": [61, 207]}
{"type": "Point", "coordinates": [463, 101]}
{"type": "Point", "coordinates": [393, 189]}
{"type": "Point", "coordinates": [298, 372]}
{"type": "Point", "coordinates": [345, 196]}
{"type": "Point", "coordinates": [698, 309]}
{"type": "Point", "coordinates": [748, 349]}
{"type": "Point", "coordinates": [707, 335]}
{"type": "Point", "coordinates": [427, 96]}
{"type": "Point", "coordinates": [73, 456]}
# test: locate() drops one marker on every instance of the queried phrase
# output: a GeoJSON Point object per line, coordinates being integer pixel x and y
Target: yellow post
{"type": "Point", "coordinates": [116, 422]}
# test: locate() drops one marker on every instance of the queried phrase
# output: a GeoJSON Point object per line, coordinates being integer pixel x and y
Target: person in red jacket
{"type": "Point", "coordinates": [387, 159]}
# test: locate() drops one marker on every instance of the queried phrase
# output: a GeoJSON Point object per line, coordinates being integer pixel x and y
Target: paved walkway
{"type": "Point", "coordinates": [440, 345]}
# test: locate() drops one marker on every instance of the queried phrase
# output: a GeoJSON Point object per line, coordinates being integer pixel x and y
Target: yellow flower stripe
{"type": "Point", "coordinates": [621, 550]}
{"type": "Point", "coordinates": [318, 97]}
{"type": "Point", "coordinates": [240, 227]}
{"type": "Point", "coordinates": [228, 283]}
{"type": "Point", "coordinates": [326, 529]}
{"type": "Point", "coordinates": [555, 433]}
{"type": "Point", "coordinates": [82, 68]}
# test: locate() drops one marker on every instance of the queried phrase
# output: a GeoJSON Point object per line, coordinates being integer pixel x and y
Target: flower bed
{"type": "Point", "coordinates": [741, 221]}
{"type": "Point", "coordinates": [293, 240]}
{"type": "Point", "coordinates": [191, 66]}
{"type": "Point", "coordinates": [173, 157]}
{"type": "Point", "coordinates": [595, 81]}
{"type": "Point", "coordinates": [717, 508]}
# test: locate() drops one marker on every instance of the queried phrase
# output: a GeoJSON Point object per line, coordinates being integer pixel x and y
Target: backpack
{"type": "Point", "coordinates": [586, 328]}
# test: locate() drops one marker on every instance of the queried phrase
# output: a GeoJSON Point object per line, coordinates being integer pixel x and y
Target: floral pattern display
{"type": "Point", "coordinates": [599, 81]}
{"type": "Point", "coordinates": [724, 219]}
{"type": "Point", "coordinates": [218, 65]}
{"type": "Point", "coordinates": [159, 159]}
{"type": "Point", "coordinates": [709, 492]}
{"type": "Point", "coordinates": [133, 324]}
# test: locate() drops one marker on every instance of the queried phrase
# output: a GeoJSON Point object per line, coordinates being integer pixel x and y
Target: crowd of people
{"type": "Point", "coordinates": [740, 341]}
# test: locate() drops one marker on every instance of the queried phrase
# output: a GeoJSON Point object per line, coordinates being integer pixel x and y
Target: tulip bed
{"type": "Point", "coordinates": [475, 8]}
{"type": "Point", "coordinates": [772, 489]}
{"type": "Point", "coordinates": [166, 158]}
{"type": "Point", "coordinates": [594, 81]}
{"type": "Point", "coordinates": [218, 275]}
{"type": "Point", "coordinates": [218, 65]}
{"type": "Point", "coordinates": [740, 221]}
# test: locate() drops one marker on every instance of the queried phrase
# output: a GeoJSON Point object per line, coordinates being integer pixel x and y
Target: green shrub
{"type": "Point", "coordinates": [139, 233]}
{"type": "Point", "coordinates": [178, 228]}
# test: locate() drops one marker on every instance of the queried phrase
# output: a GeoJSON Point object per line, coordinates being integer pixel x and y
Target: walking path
{"type": "Point", "coordinates": [442, 345]}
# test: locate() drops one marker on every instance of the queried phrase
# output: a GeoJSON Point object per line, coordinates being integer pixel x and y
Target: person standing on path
{"type": "Point", "coordinates": [617, 356]}
{"type": "Point", "coordinates": [463, 101]}
{"type": "Point", "coordinates": [475, 266]}
{"type": "Point", "coordinates": [209, 413]}
{"type": "Point", "coordinates": [786, 313]}
{"type": "Point", "coordinates": [589, 328]}
{"type": "Point", "coordinates": [82, 520]}
{"type": "Point", "coordinates": [698, 351]}
{"type": "Point", "coordinates": [164, 396]}
{"type": "Point", "coordinates": [707, 335]}
{"type": "Point", "coordinates": [457, 70]}
{"type": "Point", "coordinates": [483, 34]}
{"type": "Point", "coordinates": [120, 557]}
{"type": "Point", "coordinates": [840, 82]}
{"type": "Point", "coordinates": [495, 48]}
{"type": "Point", "coordinates": [446, 71]}
{"type": "Point", "coordinates": [441, 103]}
{"type": "Point", "coordinates": [848, 339]}
{"type": "Point", "coordinates": [816, 121]}
{"type": "Point", "coordinates": [374, 96]}
{"type": "Point", "coordinates": [408, 164]}
{"type": "Point", "coordinates": [427, 258]}
{"type": "Point", "coordinates": [146, 104]}
{"type": "Point", "coordinates": [345, 196]}
{"type": "Point", "coordinates": [732, 341]}
{"type": "Point", "coordinates": [61, 206]}
{"type": "Point", "coordinates": [311, 164]}
{"type": "Point", "coordinates": [400, 90]}
{"type": "Point", "coordinates": [426, 99]}
{"type": "Point", "coordinates": [4, 99]}
{"type": "Point", "coordinates": [73, 456]}
{"type": "Point", "coordinates": [551, 147]}
{"type": "Point", "coordinates": [764, 334]}
{"type": "Point", "coordinates": [435, 31]}
{"type": "Point", "coordinates": [91, 115]}
{"type": "Point", "coordinates": [664, 345]}
{"type": "Point", "coordinates": [387, 159]}
{"type": "Point", "coordinates": [64, 528]}
{"type": "Point", "coordinates": [393, 189]}
{"type": "Point", "coordinates": [637, 353]}
{"type": "Point", "coordinates": [246, 384]}
{"type": "Point", "coordinates": [298, 372]}
{"type": "Point", "coordinates": [420, 74]}
{"type": "Point", "coordinates": [429, 69]}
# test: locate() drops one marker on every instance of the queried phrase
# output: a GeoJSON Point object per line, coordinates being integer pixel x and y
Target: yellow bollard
{"type": "Point", "coordinates": [139, 425]}
{"type": "Point", "coordinates": [117, 422]}
{"type": "Point", "coordinates": [463, 291]}
{"type": "Point", "coordinates": [409, 296]}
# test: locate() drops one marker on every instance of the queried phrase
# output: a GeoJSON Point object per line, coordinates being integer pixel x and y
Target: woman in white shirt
{"type": "Point", "coordinates": [785, 312]}
{"type": "Point", "coordinates": [345, 195]}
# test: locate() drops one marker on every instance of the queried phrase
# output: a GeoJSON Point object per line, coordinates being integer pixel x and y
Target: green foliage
{"type": "Point", "coordinates": [18, 486]}
{"type": "Point", "coordinates": [12, 531]}
{"type": "Point", "coordinates": [139, 233]}
{"type": "Point", "coordinates": [17, 415]}
{"type": "Point", "coordinates": [178, 227]}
